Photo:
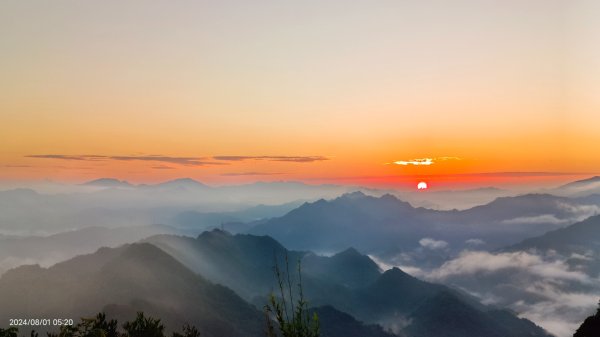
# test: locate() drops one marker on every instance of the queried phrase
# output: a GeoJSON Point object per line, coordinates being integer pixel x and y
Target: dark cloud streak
{"type": "Point", "coordinates": [295, 159]}
{"type": "Point", "coordinates": [185, 161]}
{"type": "Point", "coordinates": [241, 174]}
{"type": "Point", "coordinates": [84, 157]}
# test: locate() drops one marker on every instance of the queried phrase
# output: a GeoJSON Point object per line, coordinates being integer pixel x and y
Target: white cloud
{"type": "Point", "coordinates": [414, 271]}
{"type": "Point", "coordinates": [580, 212]}
{"type": "Point", "coordinates": [546, 288]}
{"type": "Point", "coordinates": [541, 287]}
{"type": "Point", "coordinates": [418, 161]}
{"type": "Point", "coordinates": [586, 257]}
{"type": "Point", "coordinates": [433, 244]}
{"type": "Point", "coordinates": [475, 242]}
{"type": "Point", "coordinates": [561, 312]}
{"type": "Point", "coordinates": [471, 262]}
{"type": "Point", "coordinates": [424, 161]}
{"type": "Point", "coordinates": [577, 213]}
{"type": "Point", "coordinates": [538, 219]}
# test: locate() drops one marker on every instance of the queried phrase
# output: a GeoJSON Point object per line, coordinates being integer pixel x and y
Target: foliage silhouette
{"type": "Point", "coordinates": [284, 318]}
{"type": "Point", "coordinates": [10, 332]}
{"type": "Point", "coordinates": [98, 326]}
{"type": "Point", "coordinates": [144, 327]}
{"type": "Point", "coordinates": [591, 326]}
{"type": "Point", "coordinates": [188, 331]}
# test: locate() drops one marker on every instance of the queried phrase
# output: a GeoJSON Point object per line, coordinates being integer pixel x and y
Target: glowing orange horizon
{"type": "Point", "coordinates": [377, 102]}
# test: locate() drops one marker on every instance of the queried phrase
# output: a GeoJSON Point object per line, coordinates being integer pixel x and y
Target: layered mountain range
{"type": "Point", "coordinates": [197, 281]}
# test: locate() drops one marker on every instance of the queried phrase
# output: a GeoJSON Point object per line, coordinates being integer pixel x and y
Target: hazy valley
{"type": "Point", "coordinates": [370, 261]}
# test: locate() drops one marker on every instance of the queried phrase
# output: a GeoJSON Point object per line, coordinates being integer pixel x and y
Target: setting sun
{"type": "Point", "coordinates": [422, 185]}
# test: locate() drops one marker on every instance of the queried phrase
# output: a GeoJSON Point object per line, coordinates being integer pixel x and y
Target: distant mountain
{"type": "Point", "coordinates": [348, 281]}
{"type": "Point", "coordinates": [423, 309]}
{"type": "Point", "coordinates": [352, 220]}
{"type": "Point", "coordinates": [233, 221]}
{"type": "Point", "coordinates": [580, 187]}
{"type": "Point", "coordinates": [108, 182]}
{"type": "Point", "coordinates": [241, 262]}
{"type": "Point", "coordinates": [388, 224]}
{"type": "Point", "coordinates": [47, 250]}
{"type": "Point", "coordinates": [579, 238]}
{"type": "Point", "coordinates": [346, 325]}
{"type": "Point", "coordinates": [395, 292]}
{"type": "Point", "coordinates": [348, 268]}
{"type": "Point", "coordinates": [185, 202]}
{"type": "Point", "coordinates": [521, 206]}
{"type": "Point", "coordinates": [121, 281]}
{"type": "Point", "coordinates": [454, 199]}
{"type": "Point", "coordinates": [141, 277]}
{"type": "Point", "coordinates": [182, 183]}
{"type": "Point", "coordinates": [583, 182]}
{"type": "Point", "coordinates": [590, 327]}
{"type": "Point", "coordinates": [432, 316]}
{"type": "Point", "coordinates": [579, 243]}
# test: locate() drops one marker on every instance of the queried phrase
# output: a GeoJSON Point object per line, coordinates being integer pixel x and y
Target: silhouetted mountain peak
{"type": "Point", "coordinates": [142, 249]}
{"type": "Point", "coordinates": [20, 193]}
{"type": "Point", "coordinates": [593, 179]}
{"type": "Point", "coordinates": [579, 237]}
{"type": "Point", "coordinates": [183, 183]}
{"type": "Point", "coordinates": [395, 274]}
{"type": "Point", "coordinates": [529, 196]}
{"type": "Point", "coordinates": [214, 234]}
{"type": "Point", "coordinates": [354, 195]}
{"type": "Point", "coordinates": [350, 252]}
{"type": "Point", "coordinates": [108, 182]}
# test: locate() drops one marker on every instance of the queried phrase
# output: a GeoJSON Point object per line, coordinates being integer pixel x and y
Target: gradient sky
{"type": "Point", "coordinates": [319, 91]}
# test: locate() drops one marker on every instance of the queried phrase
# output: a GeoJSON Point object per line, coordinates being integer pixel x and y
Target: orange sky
{"type": "Point", "coordinates": [505, 86]}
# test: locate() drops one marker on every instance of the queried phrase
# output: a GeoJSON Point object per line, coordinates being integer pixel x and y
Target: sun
{"type": "Point", "coordinates": [422, 185]}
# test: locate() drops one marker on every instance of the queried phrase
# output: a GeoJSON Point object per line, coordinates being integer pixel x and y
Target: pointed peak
{"type": "Point", "coordinates": [395, 273]}
{"type": "Point", "coordinates": [589, 180]}
{"type": "Point", "coordinates": [389, 196]}
{"type": "Point", "coordinates": [353, 195]}
{"type": "Point", "coordinates": [182, 182]}
{"type": "Point", "coordinates": [349, 252]}
{"type": "Point", "coordinates": [141, 249]}
{"type": "Point", "coordinates": [108, 182]}
{"type": "Point", "coordinates": [215, 233]}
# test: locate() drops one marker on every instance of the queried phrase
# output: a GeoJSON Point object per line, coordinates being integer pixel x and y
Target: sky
{"type": "Point", "coordinates": [481, 92]}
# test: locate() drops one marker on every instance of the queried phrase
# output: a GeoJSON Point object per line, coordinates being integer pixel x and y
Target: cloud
{"type": "Point", "coordinates": [545, 288]}
{"type": "Point", "coordinates": [549, 289]}
{"type": "Point", "coordinates": [418, 161]}
{"type": "Point", "coordinates": [239, 174]}
{"type": "Point", "coordinates": [576, 213]}
{"type": "Point", "coordinates": [534, 220]}
{"type": "Point", "coordinates": [433, 244]}
{"type": "Point", "coordinates": [85, 157]}
{"type": "Point", "coordinates": [163, 167]}
{"type": "Point", "coordinates": [424, 161]}
{"type": "Point", "coordinates": [185, 161]}
{"type": "Point", "coordinates": [580, 212]}
{"type": "Point", "coordinates": [472, 263]}
{"type": "Point", "coordinates": [475, 242]}
{"type": "Point", "coordinates": [10, 262]}
{"type": "Point", "coordinates": [514, 174]}
{"type": "Point", "coordinates": [414, 271]}
{"type": "Point", "coordinates": [447, 158]}
{"type": "Point", "coordinates": [297, 159]}
{"type": "Point", "coordinates": [559, 312]}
